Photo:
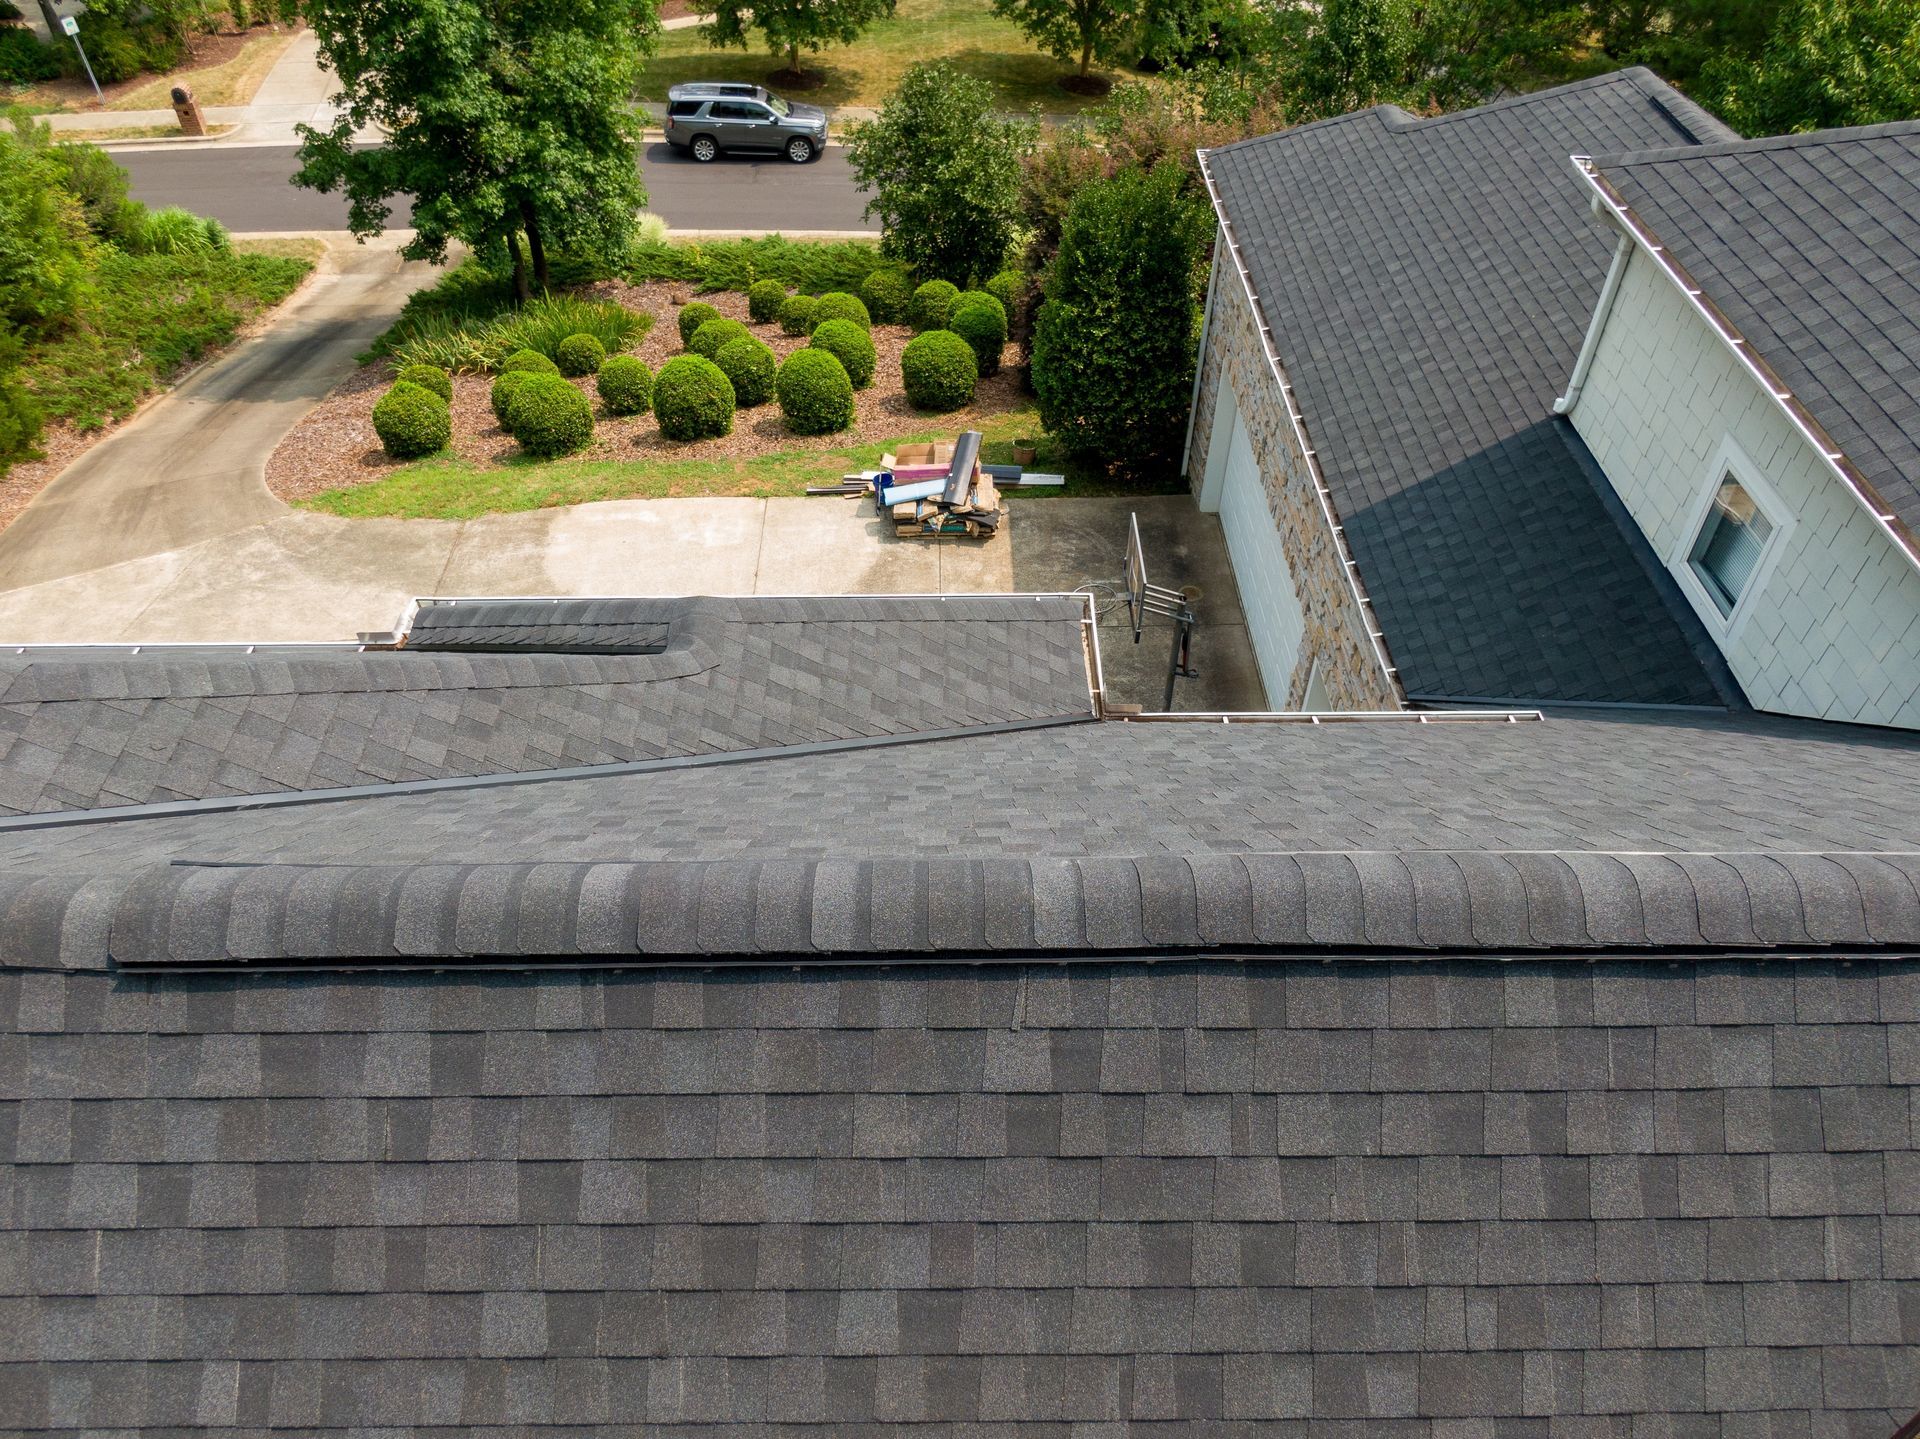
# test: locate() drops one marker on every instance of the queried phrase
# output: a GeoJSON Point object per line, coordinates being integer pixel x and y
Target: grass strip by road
{"type": "Point", "coordinates": [965, 32]}
{"type": "Point", "coordinates": [449, 489]}
{"type": "Point", "coordinates": [233, 81]}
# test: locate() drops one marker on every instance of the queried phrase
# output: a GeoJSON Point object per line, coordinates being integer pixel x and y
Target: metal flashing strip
{"type": "Point", "coordinates": [1494, 702]}
{"type": "Point", "coordinates": [1375, 634]}
{"type": "Point", "coordinates": [245, 647]}
{"type": "Point", "coordinates": [1789, 404]}
{"type": "Point", "coordinates": [1330, 717]}
{"type": "Point", "coordinates": [1199, 955]}
{"type": "Point", "coordinates": [232, 804]}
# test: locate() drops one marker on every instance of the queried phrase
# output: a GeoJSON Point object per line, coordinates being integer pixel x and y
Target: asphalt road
{"type": "Point", "coordinates": [246, 189]}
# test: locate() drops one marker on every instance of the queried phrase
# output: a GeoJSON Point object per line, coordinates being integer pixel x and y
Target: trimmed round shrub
{"type": "Point", "coordinates": [839, 305]}
{"type": "Point", "coordinates": [549, 416]}
{"type": "Point", "coordinates": [764, 299]}
{"type": "Point", "coordinates": [412, 422]}
{"type": "Point", "coordinates": [1006, 287]}
{"type": "Point", "coordinates": [750, 365]}
{"type": "Point", "coordinates": [816, 397]}
{"type": "Point", "coordinates": [886, 294]}
{"type": "Point", "coordinates": [796, 314]}
{"type": "Point", "coordinates": [708, 339]}
{"type": "Point", "coordinates": [579, 355]}
{"type": "Point", "coordinates": [692, 317]}
{"type": "Point", "coordinates": [428, 377]}
{"type": "Point", "coordinates": [851, 346]}
{"type": "Point", "coordinates": [505, 387]}
{"type": "Point", "coordinates": [938, 370]}
{"type": "Point", "coordinates": [625, 385]}
{"type": "Point", "coordinates": [693, 399]}
{"type": "Point", "coordinates": [981, 321]}
{"type": "Point", "coordinates": [928, 308]}
{"type": "Point", "coordinates": [530, 362]}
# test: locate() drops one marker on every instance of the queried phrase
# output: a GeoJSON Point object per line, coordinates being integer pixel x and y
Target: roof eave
{"type": "Point", "coordinates": [1376, 634]}
{"type": "Point", "coordinates": [1613, 204]}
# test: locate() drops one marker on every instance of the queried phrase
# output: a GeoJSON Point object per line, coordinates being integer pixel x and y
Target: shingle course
{"type": "Point", "coordinates": [1807, 243]}
{"type": "Point", "coordinates": [1427, 284]}
{"type": "Point", "coordinates": [651, 679]}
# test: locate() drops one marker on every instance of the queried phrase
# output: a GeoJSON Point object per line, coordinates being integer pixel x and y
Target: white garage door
{"type": "Point", "coordinates": [1274, 619]}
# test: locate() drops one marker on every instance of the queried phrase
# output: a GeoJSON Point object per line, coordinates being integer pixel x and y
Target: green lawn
{"type": "Point", "coordinates": [450, 489]}
{"type": "Point", "coordinates": [966, 32]}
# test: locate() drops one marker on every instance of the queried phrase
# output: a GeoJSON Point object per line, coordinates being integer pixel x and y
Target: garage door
{"type": "Point", "coordinates": [1275, 623]}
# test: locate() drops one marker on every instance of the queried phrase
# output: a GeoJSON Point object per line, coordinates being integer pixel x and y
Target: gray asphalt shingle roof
{"type": "Point", "coordinates": [1810, 245]}
{"type": "Point", "coordinates": [1583, 1195]}
{"type": "Point", "coordinates": [1575, 832]}
{"type": "Point", "coordinates": [1427, 283]}
{"type": "Point", "coordinates": [628, 680]}
{"type": "Point", "coordinates": [1399, 1201]}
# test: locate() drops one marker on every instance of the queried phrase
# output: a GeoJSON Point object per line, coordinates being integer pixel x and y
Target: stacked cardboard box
{"type": "Point", "coordinates": [939, 489]}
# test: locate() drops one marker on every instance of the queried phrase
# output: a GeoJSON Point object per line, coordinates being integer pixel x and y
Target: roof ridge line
{"type": "Point", "coordinates": [228, 804]}
{"type": "Point", "coordinates": [1759, 144]}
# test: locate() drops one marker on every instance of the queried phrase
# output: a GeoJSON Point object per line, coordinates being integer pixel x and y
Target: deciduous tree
{"type": "Point", "coordinates": [503, 118]}
{"type": "Point", "coordinates": [944, 172]}
{"type": "Point", "coordinates": [1826, 63]}
{"type": "Point", "coordinates": [790, 26]}
{"type": "Point", "coordinates": [1078, 31]}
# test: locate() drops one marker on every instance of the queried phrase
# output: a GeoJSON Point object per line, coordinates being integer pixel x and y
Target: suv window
{"type": "Point", "coordinates": [684, 108]}
{"type": "Point", "coordinates": [723, 110]}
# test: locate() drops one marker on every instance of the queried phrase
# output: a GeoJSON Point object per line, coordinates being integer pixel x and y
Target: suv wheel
{"type": "Point", "coordinates": [799, 149]}
{"type": "Point", "coordinates": [705, 149]}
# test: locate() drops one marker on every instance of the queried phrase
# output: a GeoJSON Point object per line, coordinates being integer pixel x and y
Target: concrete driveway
{"type": "Point", "coordinates": [303, 576]}
{"type": "Point", "coordinates": [193, 466]}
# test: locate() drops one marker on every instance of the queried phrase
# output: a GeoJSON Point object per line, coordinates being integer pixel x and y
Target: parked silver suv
{"type": "Point", "coordinates": [708, 120]}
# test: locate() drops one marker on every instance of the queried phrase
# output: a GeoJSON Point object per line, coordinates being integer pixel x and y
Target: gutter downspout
{"type": "Point", "coordinates": [1200, 363]}
{"type": "Point", "coordinates": [1622, 252]}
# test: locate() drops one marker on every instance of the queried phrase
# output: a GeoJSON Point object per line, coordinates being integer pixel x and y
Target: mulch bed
{"type": "Point", "coordinates": [335, 446]}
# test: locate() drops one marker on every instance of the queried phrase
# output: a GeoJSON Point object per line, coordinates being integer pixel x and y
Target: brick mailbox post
{"type": "Point", "coordinates": [186, 110]}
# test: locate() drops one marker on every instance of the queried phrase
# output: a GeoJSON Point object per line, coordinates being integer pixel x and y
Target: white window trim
{"type": "Point", "coordinates": [1730, 459]}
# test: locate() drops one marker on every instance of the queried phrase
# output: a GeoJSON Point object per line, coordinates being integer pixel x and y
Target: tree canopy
{"type": "Point", "coordinates": [944, 172]}
{"type": "Point", "coordinates": [1078, 31]}
{"type": "Point", "coordinates": [1826, 63]}
{"type": "Point", "coordinates": [503, 117]}
{"type": "Point", "coordinates": [1115, 339]}
{"type": "Point", "coordinates": [790, 26]}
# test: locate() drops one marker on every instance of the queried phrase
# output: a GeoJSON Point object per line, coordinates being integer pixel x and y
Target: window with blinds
{"type": "Point", "coordinates": [1731, 541]}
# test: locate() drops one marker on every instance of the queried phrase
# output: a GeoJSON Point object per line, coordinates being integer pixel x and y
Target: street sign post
{"type": "Point", "coordinates": [71, 27]}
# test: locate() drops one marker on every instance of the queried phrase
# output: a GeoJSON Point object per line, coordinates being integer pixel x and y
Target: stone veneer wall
{"type": "Point", "coordinates": [1336, 631]}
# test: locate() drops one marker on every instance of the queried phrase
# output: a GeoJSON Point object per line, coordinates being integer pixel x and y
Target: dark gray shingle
{"type": "Point", "coordinates": [1810, 245]}
{"type": "Point", "coordinates": [512, 687]}
{"type": "Point", "coordinates": [1427, 283]}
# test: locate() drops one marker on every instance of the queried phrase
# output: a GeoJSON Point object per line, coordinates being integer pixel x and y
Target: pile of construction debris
{"type": "Point", "coordinates": [938, 489]}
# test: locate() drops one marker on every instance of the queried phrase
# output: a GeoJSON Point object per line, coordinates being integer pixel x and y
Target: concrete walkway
{"type": "Point", "coordinates": [193, 465]}
{"type": "Point", "coordinates": [304, 576]}
{"type": "Point", "coordinates": [296, 91]}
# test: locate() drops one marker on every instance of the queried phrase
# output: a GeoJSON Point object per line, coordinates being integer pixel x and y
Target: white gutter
{"type": "Point", "coordinates": [1375, 635]}
{"type": "Point", "coordinates": [1603, 308]}
{"type": "Point", "coordinates": [1789, 404]}
{"type": "Point", "coordinates": [1200, 364]}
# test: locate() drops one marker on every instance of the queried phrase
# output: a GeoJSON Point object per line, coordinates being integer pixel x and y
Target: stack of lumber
{"type": "Point", "coordinates": [939, 489]}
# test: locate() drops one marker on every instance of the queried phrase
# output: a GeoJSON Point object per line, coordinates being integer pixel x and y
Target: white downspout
{"type": "Point", "coordinates": [1622, 252]}
{"type": "Point", "coordinates": [1200, 363]}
